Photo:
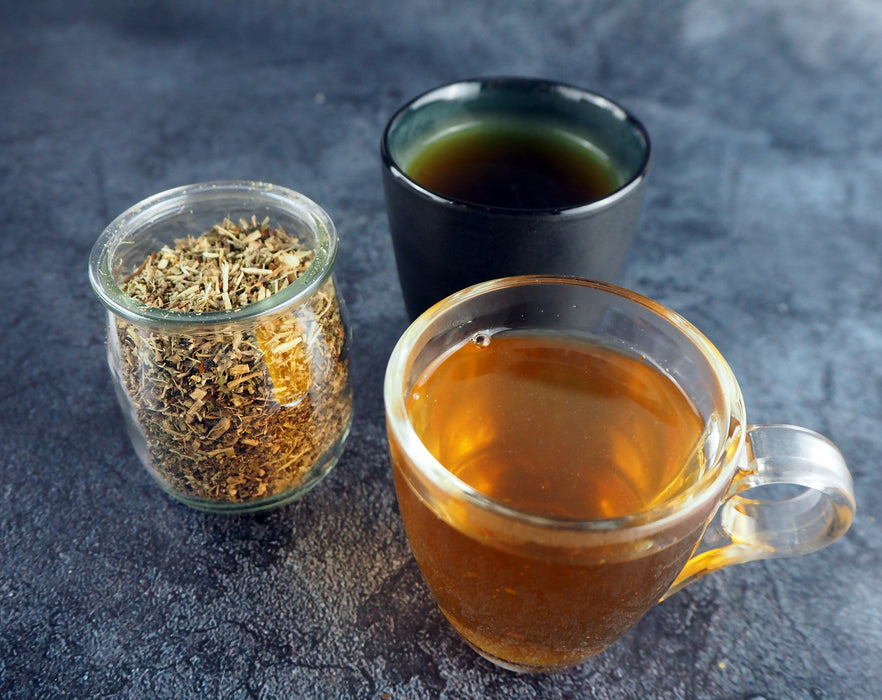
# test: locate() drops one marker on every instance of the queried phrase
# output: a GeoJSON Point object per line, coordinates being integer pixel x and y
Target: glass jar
{"type": "Point", "coordinates": [238, 409]}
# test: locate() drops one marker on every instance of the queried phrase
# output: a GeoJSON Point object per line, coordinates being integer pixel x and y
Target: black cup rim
{"type": "Point", "coordinates": [392, 167]}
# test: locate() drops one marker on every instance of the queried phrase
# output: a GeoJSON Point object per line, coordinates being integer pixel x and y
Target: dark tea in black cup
{"type": "Point", "coordinates": [515, 163]}
{"type": "Point", "coordinates": [505, 176]}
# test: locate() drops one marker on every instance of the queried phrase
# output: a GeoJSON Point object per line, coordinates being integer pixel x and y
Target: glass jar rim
{"type": "Point", "coordinates": [678, 508]}
{"type": "Point", "coordinates": [164, 204]}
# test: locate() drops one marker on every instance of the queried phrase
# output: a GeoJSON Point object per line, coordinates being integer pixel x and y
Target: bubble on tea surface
{"type": "Point", "coordinates": [481, 340]}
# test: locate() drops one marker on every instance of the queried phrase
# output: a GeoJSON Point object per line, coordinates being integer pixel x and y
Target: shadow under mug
{"type": "Point", "coordinates": [443, 244]}
{"type": "Point", "coordinates": [537, 593]}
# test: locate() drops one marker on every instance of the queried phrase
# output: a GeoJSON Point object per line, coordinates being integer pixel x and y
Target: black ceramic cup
{"type": "Point", "coordinates": [449, 236]}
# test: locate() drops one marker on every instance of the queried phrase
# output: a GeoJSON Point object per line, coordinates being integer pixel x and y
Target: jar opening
{"type": "Point", "coordinates": [190, 211]}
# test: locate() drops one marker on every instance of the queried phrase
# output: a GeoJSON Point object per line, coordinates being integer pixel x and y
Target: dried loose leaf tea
{"type": "Point", "coordinates": [241, 410]}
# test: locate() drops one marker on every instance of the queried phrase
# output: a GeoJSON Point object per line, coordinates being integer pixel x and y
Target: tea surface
{"type": "Point", "coordinates": [515, 164]}
{"type": "Point", "coordinates": [557, 427]}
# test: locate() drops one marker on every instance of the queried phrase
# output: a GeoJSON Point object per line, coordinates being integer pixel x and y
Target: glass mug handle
{"type": "Point", "coordinates": [811, 503]}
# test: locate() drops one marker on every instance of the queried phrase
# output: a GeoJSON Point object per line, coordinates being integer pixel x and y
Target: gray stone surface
{"type": "Point", "coordinates": [762, 225]}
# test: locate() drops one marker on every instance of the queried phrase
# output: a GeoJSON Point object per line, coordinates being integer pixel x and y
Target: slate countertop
{"type": "Point", "coordinates": [762, 226]}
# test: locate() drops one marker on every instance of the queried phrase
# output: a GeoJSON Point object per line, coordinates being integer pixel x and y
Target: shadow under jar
{"type": "Point", "coordinates": [248, 406]}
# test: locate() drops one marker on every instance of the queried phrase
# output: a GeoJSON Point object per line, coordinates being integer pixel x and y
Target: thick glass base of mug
{"type": "Point", "coordinates": [322, 467]}
{"type": "Point", "coordinates": [526, 658]}
{"type": "Point", "coordinates": [520, 668]}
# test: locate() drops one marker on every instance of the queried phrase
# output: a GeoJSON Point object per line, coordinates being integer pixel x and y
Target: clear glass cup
{"type": "Point", "coordinates": [234, 410]}
{"type": "Point", "coordinates": [532, 592]}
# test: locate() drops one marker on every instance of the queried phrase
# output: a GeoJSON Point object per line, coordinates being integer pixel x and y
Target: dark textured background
{"type": "Point", "coordinates": [762, 225]}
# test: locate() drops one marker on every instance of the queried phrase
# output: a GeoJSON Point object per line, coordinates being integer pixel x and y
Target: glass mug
{"type": "Point", "coordinates": [534, 589]}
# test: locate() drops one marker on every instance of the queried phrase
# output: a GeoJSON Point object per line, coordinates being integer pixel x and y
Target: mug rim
{"type": "Point", "coordinates": [165, 204]}
{"type": "Point", "coordinates": [567, 90]}
{"type": "Point", "coordinates": [675, 509]}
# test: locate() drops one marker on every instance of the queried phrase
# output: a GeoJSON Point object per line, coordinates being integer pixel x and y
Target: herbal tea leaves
{"type": "Point", "coordinates": [230, 266]}
{"type": "Point", "coordinates": [235, 412]}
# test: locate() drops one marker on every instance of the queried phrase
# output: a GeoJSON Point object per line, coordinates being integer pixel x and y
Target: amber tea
{"type": "Point", "coordinates": [515, 163]}
{"type": "Point", "coordinates": [557, 427]}
{"type": "Point", "coordinates": [553, 427]}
